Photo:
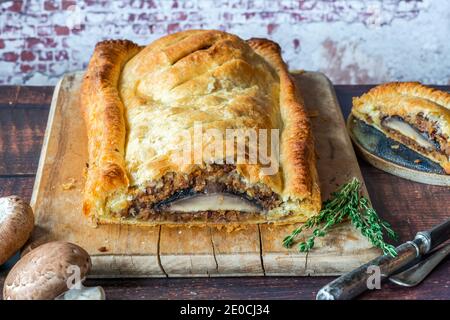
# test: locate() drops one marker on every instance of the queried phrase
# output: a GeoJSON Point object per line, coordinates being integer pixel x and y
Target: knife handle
{"type": "Point", "coordinates": [352, 284]}
{"type": "Point", "coordinates": [435, 236]}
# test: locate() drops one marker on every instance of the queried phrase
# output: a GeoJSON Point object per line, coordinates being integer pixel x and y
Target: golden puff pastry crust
{"type": "Point", "coordinates": [143, 105]}
{"type": "Point", "coordinates": [412, 114]}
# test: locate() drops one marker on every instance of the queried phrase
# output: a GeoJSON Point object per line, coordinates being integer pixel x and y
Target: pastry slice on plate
{"type": "Point", "coordinates": [412, 114]}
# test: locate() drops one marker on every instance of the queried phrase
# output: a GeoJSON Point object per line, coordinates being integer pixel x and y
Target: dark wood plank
{"type": "Point", "coordinates": [25, 96]}
{"type": "Point", "coordinates": [35, 96]}
{"type": "Point", "coordinates": [409, 206]}
{"type": "Point", "coordinates": [8, 95]}
{"type": "Point", "coordinates": [18, 185]}
{"type": "Point", "coordinates": [436, 287]}
{"type": "Point", "coordinates": [22, 121]}
{"type": "Point", "coordinates": [298, 288]}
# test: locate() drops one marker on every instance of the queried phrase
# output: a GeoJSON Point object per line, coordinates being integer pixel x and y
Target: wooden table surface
{"type": "Point", "coordinates": [408, 206]}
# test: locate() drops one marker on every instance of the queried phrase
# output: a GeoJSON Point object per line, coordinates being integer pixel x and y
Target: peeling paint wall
{"type": "Point", "coordinates": [352, 41]}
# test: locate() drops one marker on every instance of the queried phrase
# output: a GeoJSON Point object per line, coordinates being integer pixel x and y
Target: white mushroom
{"type": "Point", "coordinates": [49, 271]}
{"type": "Point", "coordinates": [16, 225]}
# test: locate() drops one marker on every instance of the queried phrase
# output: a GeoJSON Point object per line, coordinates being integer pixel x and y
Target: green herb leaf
{"type": "Point", "coordinates": [346, 202]}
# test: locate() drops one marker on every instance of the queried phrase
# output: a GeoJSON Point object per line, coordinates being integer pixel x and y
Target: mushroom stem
{"type": "Point", "coordinates": [83, 293]}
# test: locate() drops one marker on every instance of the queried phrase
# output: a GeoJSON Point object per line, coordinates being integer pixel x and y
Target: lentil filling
{"type": "Point", "coordinates": [150, 203]}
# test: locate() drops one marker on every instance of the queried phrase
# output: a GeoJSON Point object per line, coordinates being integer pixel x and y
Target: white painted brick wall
{"type": "Point", "coordinates": [352, 41]}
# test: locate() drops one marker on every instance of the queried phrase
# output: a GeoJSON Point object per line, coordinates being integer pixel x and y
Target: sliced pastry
{"type": "Point", "coordinates": [152, 114]}
{"type": "Point", "coordinates": [412, 114]}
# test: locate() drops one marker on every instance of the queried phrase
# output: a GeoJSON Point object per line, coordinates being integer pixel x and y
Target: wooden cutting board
{"type": "Point", "coordinates": [130, 251]}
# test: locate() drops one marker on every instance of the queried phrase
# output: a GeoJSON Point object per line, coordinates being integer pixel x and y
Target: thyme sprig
{"type": "Point", "coordinates": [346, 202]}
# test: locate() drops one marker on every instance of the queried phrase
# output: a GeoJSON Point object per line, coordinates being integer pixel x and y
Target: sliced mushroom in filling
{"type": "Point", "coordinates": [423, 135]}
{"type": "Point", "coordinates": [212, 202]}
{"type": "Point", "coordinates": [215, 193]}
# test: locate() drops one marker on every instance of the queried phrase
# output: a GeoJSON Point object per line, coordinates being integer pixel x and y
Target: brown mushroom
{"type": "Point", "coordinates": [16, 225]}
{"type": "Point", "coordinates": [47, 272]}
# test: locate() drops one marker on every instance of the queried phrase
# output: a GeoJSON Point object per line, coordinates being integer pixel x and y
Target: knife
{"type": "Point", "coordinates": [352, 284]}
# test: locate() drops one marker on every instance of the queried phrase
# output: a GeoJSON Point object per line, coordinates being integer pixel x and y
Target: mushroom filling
{"type": "Point", "coordinates": [399, 125]}
{"type": "Point", "coordinates": [214, 193]}
{"type": "Point", "coordinates": [424, 136]}
{"type": "Point", "coordinates": [211, 202]}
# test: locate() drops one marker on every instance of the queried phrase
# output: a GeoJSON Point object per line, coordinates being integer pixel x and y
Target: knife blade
{"type": "Point", "coordinates": [352, 284]}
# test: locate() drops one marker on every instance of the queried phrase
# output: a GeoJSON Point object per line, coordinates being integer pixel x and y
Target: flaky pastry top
{"type": "Point", "coordinates": [140, 102]}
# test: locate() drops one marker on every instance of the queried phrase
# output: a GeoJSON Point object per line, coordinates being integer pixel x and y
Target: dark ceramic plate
{"type": "Point", "coordinates": [401, 161]}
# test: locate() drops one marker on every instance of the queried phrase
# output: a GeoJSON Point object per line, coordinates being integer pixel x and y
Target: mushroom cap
{"type": "Point", "coordinates": [47, 271]}
{"type": "Point", "coordinates": [16, 225]}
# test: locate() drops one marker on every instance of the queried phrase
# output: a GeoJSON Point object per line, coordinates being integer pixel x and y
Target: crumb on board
{"type": "Point", "coordinates": [70, 184]}
{"type": "Point", "coordinates": [103, 249]}
{"type": "Point", "coordinates": [313, 113]}
{"type": "Point", "coordinates": [231, 228]}
{"type": "Point", "coordinates": [395, 146]}
{"type": "Point", "coordinates": [417, 161]}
